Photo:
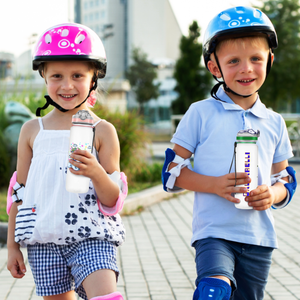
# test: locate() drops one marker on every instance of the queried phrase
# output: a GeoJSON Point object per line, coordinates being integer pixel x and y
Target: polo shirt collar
{"type": "Point", "coordinates": [258, 109]}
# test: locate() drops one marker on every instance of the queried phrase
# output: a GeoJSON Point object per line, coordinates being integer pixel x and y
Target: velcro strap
{"type": "Point", "coordinates": [175, 172]}
{"type": "Point", "coordinates": [18, 192]}
{"type": "Point", "coordinates": [277, 177]}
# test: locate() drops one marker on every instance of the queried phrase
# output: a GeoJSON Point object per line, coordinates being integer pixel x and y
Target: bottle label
{"type": "Point", "coordinates": [74, 147]}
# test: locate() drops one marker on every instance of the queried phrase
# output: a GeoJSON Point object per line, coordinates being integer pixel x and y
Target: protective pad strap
{"type": "Point", "coordinates": [112, 296]}
{"type": "Point", "coordinates": [290, 186]}
{"type": "Point", "coordinates": [169, 176]}
{"type": "Point", "coordinates": [15, 192]}
{"type": "Point", "coordinates": [212, 289]}
{"type": "Point", "coordinates": [121, 180]}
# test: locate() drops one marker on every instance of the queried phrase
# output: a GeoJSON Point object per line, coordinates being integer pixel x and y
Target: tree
{"type": "Point", "coordinates": [193, 80]}
{"type": "Point", "coordinates": [282, 85]}
{"type": "Point", "coordinates": [141, 75]}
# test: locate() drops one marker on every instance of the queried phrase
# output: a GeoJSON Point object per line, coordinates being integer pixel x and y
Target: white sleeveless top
{"type": "Point", "coordinates": [51, 214]}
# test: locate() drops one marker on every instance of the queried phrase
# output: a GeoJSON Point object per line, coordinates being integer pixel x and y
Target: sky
{"type": "Point", "coordinates": [19, 19]}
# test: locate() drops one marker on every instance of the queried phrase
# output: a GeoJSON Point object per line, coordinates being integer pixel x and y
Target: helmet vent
{"type": "Point", "coordinates": [48, 39]}
{"type": "Point", "coordinates": [79, 39]}
{"type": "Point", "coordinates": [65, 32]}
{"type": "Point", "coordinates": [257, 14]}
{"type": "Point", "coordinates": [240, 10]}
{"type": "Point", "coordinates": [225, 17]}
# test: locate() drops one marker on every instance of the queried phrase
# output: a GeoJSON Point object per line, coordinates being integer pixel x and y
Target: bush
{"type": "Point", "coordinates": [129, 126]}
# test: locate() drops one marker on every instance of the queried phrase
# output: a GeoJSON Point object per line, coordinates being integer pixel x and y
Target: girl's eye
{"type": "Point", "coordinates": [255, 58]}
{"type": "Point", "coordinates": [56, 76]}
{"type": "Point", "coordinates": [77, 76]}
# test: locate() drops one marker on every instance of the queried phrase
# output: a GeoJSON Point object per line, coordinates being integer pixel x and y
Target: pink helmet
{"type": "Point", "coordinates": [70, 41]}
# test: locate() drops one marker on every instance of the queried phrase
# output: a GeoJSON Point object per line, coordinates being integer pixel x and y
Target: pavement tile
{"type": "Point", "coordinates": [157, 262]}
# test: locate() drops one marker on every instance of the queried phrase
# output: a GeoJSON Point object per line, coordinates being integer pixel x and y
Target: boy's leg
{"type": "Point", "coordinates": [251, 272]}
{"type": "Point", "coordinates": [215, 266]}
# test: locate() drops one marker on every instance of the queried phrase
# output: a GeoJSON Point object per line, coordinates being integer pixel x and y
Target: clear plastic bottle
{"type": "Point", "coordinates": [246, 160]}
{"type": "Point", "coordinates": [81, 137]}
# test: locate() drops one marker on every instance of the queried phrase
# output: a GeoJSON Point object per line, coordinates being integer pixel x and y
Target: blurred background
{"type": "Point", "coordinates": [154, 72]}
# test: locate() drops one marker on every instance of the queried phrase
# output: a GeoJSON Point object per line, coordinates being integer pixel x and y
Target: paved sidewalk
{"type": "Point", "coordinates": [157, 262]}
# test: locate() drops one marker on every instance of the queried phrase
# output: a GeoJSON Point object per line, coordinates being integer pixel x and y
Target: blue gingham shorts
{"type": "Point", "coordinates": [58, 269]}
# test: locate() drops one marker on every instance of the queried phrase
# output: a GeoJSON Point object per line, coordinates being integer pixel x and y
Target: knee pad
{"type": "Point", "coordinates": [212, 289]}
{"type": "Point", "coordinates": [112, 296]}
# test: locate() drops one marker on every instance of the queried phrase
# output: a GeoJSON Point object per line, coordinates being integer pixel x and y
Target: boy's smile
{"type": "Point", "coordinates": [243, 62]}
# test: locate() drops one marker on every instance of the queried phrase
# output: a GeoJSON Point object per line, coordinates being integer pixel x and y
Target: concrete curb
{"type": "Point", "coordinates": [132, 203]}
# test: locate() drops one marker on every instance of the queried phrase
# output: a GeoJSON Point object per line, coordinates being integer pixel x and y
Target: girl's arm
{"type": "Point", "coordinates": [223, 186]}
{"type": "Point", "coordinates": [15, 263]}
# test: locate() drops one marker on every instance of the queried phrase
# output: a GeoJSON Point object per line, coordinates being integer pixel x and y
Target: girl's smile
{"type": "Point", "coordinates": [68, 82]}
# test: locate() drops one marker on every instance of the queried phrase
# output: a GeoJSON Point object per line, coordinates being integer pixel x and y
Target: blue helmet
{"type": "Point", "coordinates": [238, 21]}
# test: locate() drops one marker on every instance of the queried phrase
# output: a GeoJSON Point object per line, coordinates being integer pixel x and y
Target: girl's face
{"type": "Point", "coordinates": [68, 83]}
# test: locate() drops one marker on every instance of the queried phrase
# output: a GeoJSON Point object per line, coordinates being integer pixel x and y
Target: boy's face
{"type": "Point", "coordinates": [243, 63]}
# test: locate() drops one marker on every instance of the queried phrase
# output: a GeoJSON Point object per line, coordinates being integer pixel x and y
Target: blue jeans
{"type": "Point", "coordinates": [247, 266]}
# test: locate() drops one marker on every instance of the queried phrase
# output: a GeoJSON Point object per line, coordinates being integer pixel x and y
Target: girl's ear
{"type": "Point", "coordinates": [213, 68]}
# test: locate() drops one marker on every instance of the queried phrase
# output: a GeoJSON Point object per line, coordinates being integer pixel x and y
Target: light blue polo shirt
{"type": "Point", "coordinates": [208, 129]}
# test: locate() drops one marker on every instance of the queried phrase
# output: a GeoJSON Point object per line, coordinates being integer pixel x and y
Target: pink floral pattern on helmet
{"type": "Point", "coordinates": [69, 41]}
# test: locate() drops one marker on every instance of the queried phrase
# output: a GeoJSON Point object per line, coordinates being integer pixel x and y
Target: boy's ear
{"type": "Point", "coordinates": [213, 68]}
{"type": "Point", "coordinates": [272, 58]}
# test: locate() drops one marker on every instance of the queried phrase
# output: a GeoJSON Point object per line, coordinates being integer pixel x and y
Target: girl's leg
{"type": "Point", "coordinates": [66, 296]}
{"type": "Point", "coordinates": [100, 283]}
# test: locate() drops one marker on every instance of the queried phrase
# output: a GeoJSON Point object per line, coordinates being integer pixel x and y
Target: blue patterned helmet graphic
{"type": "Point", "coordinates": [238, 21]}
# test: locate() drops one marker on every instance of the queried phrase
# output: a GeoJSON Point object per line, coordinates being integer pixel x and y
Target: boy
{"type": "Point", "coordinates": [233, 246]}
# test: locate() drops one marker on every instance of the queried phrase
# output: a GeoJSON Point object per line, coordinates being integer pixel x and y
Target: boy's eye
{"type": "Point", "coordinates": [77, 76]}
{"type": "Point", "coordinates": [234, 61]}
{"type": "Point", "coordinates": [255, 58]}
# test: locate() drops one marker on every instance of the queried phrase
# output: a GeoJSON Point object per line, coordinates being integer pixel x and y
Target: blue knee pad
{"type": "Point", "coordinates": [212, 289]}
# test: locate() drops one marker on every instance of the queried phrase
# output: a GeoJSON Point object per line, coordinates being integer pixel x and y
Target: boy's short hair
{"type": "Point", "coordinates": [255, 40]}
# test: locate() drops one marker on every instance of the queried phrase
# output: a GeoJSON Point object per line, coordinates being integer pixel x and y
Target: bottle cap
{"type": "Point", "coordinates": [248, 135]}
{"type": "Point", "coordinates": [83, 117]}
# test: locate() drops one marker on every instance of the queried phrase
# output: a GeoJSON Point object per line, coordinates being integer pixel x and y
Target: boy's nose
{"type": "Point", "coordinates": [246, 67]}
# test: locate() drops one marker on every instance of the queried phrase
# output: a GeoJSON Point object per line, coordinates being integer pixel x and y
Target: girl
{"type": "Point", "coordinates": [71, 240]}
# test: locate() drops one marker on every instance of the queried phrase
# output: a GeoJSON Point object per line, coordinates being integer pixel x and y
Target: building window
{"type": "Point", "coordinates": [91, 3]}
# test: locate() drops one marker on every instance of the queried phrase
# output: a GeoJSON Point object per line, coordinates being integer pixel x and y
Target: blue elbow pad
{"type": "Point", "coordinates": [290, 186]}
{"type": "Point", "coordinates": [168, 177]}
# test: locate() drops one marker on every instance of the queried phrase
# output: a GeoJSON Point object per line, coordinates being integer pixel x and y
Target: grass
{"type": "Point", "coordinates": [133, 188]}
{"type": "Point", "coordinates": [3, 214]}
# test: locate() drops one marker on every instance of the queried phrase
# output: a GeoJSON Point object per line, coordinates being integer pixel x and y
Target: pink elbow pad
{"type": "Point", "coordinates": [121, 179]}
{"type": "Point", "coordinates": [10, 201]}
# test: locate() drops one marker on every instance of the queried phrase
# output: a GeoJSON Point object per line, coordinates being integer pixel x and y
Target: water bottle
{"type": "Point", "coordinates": [246, 160]}
{"type": "Point", "coordinates": [81, 137]}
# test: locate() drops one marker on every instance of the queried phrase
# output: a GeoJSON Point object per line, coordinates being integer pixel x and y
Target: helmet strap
{"type": "Point", "coordinates": [49, 101]}
{"type": "Point", "coordinates": [226, 88]}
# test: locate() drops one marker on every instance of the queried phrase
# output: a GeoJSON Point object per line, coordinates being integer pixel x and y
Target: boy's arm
{"type": "Point", "coordinates": [223, 186]}
{"type": "Point", "coordinates": [263, 197]}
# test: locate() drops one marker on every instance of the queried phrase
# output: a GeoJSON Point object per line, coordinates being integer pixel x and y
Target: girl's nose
{"type": "Point", "coordinates": [67, 84]}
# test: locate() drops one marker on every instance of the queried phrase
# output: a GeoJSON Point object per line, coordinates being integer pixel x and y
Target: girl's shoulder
{"type": "Point", "coordinates": [105, 133]}
{"type": "Point", "coordinates": [29, 131]}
